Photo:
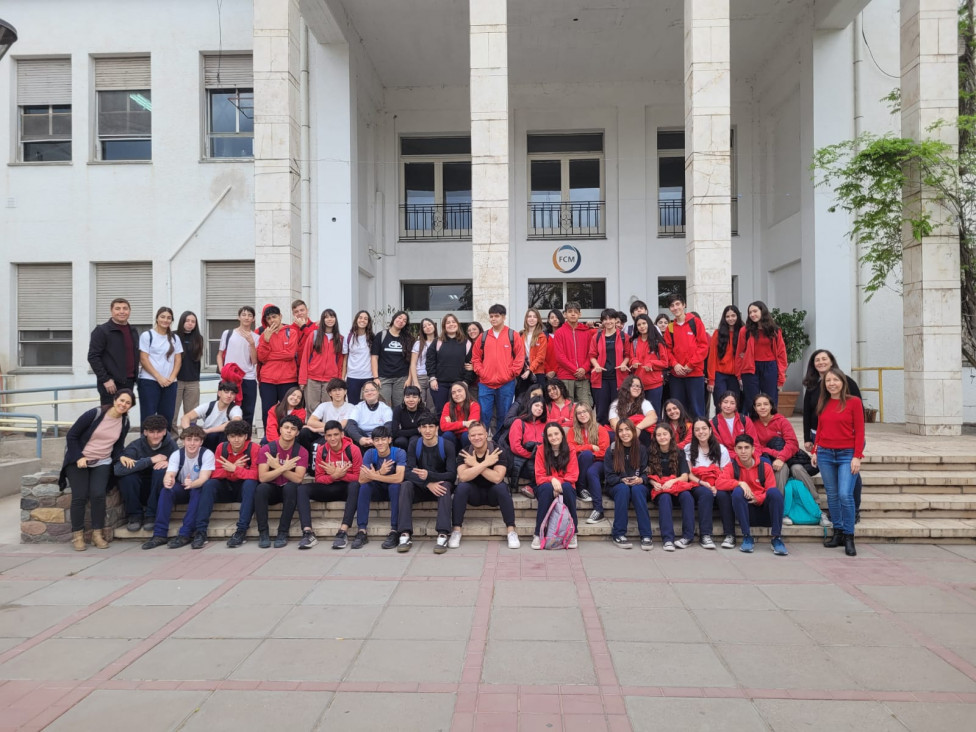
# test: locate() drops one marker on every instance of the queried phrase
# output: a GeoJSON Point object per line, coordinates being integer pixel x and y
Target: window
{"type": "Point", "coordinates": [436, 299]}
{"type": "Point", "coordinates": [436, 188]}
{"type": "Point", "coordinates": [228, 286]}
{"type": "Point", "coordinates": [131, 280]}
{"type": "Point", "coordinates": [668, 287]}
{"type": "Point", "coordinates": [229, 83]}
{"type": "Point", "coordinates": [124, 109]}
{"type": "Point", "coordinates": [554, 294]}
{"type": "Point", "coordinates": [566, 186]}
{"type": "Point", "coordinates": [44, 315]}
{"type": "Point", "coordinates": [671, 184]}
{"type": "Point", "coordinates": [44, 106]}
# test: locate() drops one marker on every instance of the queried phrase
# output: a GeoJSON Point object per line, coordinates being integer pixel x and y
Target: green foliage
{"type": "Point", "coordinates": [794, 334]}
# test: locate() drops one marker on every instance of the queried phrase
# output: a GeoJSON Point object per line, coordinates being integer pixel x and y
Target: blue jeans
{"type": "Point", "coordinates": [690, 391]}
{"type": "Point", "coordinates": [590, 477]}
{"type": "Point", "coordinates": [763, 381]}
{"type": "Point", "coordinates": [656, 398]}
{"type": "Point", "coordinates": [665, 503]}
{"type": "Point", "coordinates": [545, 495]}
{"type": "Point", "coordinates": [770, 513]}
{"type": "Point", "coordinates": [168, 497]}
{"type": "Point", "coordinates": [724, 383]}
{"type": "Point", "coordinates": [384, 491]}
{"type": "Point", "coordinates": [636, 496]}
{"type": "Point", "coordinates": [354, 389]}
{"type": "Point", "coordinates": [156, 399]}
{"type": "Point", "coordinates": [724, 501]}
{"type": "Point", "coordinates": [704, 500]}
{"type": "Point", "coordinates": [835, 469]}
{"type": "Point", "coordinates": [140, 491]}
{"type": "Point", "coordinates": [604, 396]}
{"type": "Point", "coordinates": [495, 401]}
{"type": "Point", "coordinates": [226, 491]}
{"type": "Point", "coordinates": [458, 441]}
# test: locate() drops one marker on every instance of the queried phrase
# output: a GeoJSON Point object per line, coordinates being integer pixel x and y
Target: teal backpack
{"type": "Point", "coordinates": [799, 505]}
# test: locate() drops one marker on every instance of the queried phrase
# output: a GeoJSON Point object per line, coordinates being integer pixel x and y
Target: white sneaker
{"type": "Point", "coordinates": [455, 541]}
{"type": "Point", "coordinates": [825, 521]}
{"type": "Point", "coordinates": [513, 540]}
{"type": "Point", "coordinates": [787, 521]}
{"type": "Point", "coordinates": [572, 542]}
{"type": "Point", "coordinates": [536, 542]}
{"type": "Point", "coordinates": [440, 546]}
{"type": "Point", "coordinates": [728, 542]}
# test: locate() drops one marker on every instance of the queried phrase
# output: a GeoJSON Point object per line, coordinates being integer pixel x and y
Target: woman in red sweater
{"type": "Point", "coordinates": [293, 403]}
{"type": "Point", "coordinates": [678, 420]}
{"type": "Point", "coordinates": [536, 349]}
{"type": "Point", "coordinates": [729, 424]}
{"type": "Point", "coordinates": [556, 473]}
{"type": "Point", "coordinates": [837, 451]}
{"type": "Point", "coordinates": [761, 355]}
{"type": "Point", "coordinates": [649, 360]}
{"type": "Point", "coordinates": [321, 360]}
{"type": "Point", "coordinates": [553, 321]}
{"type": "Point", "coordinates": [589, 440]}
{"type": "Point", "coordinates": [458, 414]}
{"type": "Point", "coordinates": [722, 348]}
{"type": "Point", "coordinates": [277, 350]}
{"type": "Point", "coordinates": [559, 408]}
{"type": "Point", "coordinates": [524, 438]}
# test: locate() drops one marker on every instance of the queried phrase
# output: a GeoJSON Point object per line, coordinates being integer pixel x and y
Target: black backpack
{"type": "Point", "coordinates": [762, 471]}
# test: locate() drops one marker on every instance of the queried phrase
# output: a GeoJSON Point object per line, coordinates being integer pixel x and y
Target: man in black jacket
{"type": "Point", "coordinates": [141, 470]}
{"type": "Point", "coordinates": [113, 352]}
{"type": "Point", "coordinates": [431, 471]}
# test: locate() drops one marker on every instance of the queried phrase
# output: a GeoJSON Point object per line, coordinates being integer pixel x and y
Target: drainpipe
{"type": "Point", "coordinates": [858, 357]}
{"type": "Point", "coordinates": [304, 168]}
{"type": "Point", "coordinates": [169, 262]}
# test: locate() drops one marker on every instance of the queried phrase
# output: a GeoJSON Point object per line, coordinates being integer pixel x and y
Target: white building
{"type": "Point", "coordinates": [446, 154]}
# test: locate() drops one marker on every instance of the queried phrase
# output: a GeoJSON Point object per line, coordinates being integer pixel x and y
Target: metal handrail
{"type": "Point", "coordinates": [880, 387]}
{"type": "Point", "coordinates": [38, 435]}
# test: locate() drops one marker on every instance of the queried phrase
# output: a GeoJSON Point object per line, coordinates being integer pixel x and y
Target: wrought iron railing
{"type": "Point", "coordinates": [671, 218]}
{"type": "Point", "coordinates": [564, 220]}
{"type": "Point", "coordinates": [435, 221]}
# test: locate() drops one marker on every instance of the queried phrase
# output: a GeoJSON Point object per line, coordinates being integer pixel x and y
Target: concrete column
{"type": "Point", "coordinates": [708, 157]}
{"type": "Point", "coordinates": [489, 155]}
{"type": "Point", "coordinates": [277, 203]}
{"type": "Point", "coordinates": [929, 94]}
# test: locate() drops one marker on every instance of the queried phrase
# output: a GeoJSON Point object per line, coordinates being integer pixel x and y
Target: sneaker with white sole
{"type": "Point", "coordinates": [440, 546]}
{"type": "Point", "coordinates": [585, 496]}
{"type": "Point", "coordinates": [787, 521]}
{"type": "Point", "coordinates": [621, 541]}
{"type": "Point", "coordinates": [573, 543]}
{"type": "Point", "coordinates": [706, 542]}
{"type": "Point", "coordinates": [825, 521]}
{"type": "Point", "coordinates": [647, 543]}
{"type": "Point", "coordinates": [595, 517]}
{"type": "Point", "coordinates": [728, 542]}
{"type": "Point", "coordinates": [668, 546]}
{"type": "Point", "coordinates": [513, 540]}
{"type": "Point", "coordinates": [536, 542]}
{"type": "Point", "coordinates": [308, 540]}
{"type": "Point", "coordinates": [405, 543]}
{"type": "Point", "coordinates": [455, 541]}
{"type": "Point", "coordinates": [682, 543]}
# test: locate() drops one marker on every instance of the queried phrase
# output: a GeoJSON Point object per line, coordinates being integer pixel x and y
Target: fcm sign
{"type": "Point", "coordinates": [567, 259]}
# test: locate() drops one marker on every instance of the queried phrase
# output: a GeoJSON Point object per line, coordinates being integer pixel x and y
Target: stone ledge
{"type": "Point", "coordinates": [45, 515]}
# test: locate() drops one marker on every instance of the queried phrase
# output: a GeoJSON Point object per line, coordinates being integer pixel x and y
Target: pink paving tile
{"type": "Point", "coordinates": [198, 686]}
{"type": "Point", "coordinates": [606, 676]}
{"type": "Point", "coordinates": [580, 689]}
{"type": "Point", "coordinates": [468, 688]}
{"type": "Point", "coordinates": [584, 723]}
{"type": "Point", "coordinates": [499, 689]}
{"type": "Point", "coordinates": [278, 685]}
{"type": "Point", "coordinates": [318, 686]}
{"type": "Point", "coordinates": [894, 696]}
{"type": "Point", "coordinates": [435, 688]}
{"type": "Point", "coordinates": [808, 694]}
{"type": "Point", "coordinates": [619, 723]}
{"type": "Point", "coordinates": [357, 686]}
{"type": "Point", "coordinates": [237, 685]}
{"type": "Point", "coordinates": [495, 722]}
{"type": "Point", "coordinates": [762, 693]}
{"type": "Point", "coordinates": [462, 722]}
{"type": "Point", "coordinates": [685, 691]}
{"type": "Point", "coordinates": [721, 692]}
{"type": "Point", "coordinates": [498, 703]}
{"type": "Point", "coordinates": [160, 685]}
{"type": "Point", "coordinates": [641, 691]}
{"type": "Point", "coordinates": [614, 705]}
{"type": "Point", "coordinates": [850, 695]}
{"type": "Point", "coordinates": [471, 675]}
{"type": "Point", "coordinates": [466, 702]}
{"type": "Point", "coordinates": [539, 704]}
{"type": "Point", "coordinates": [936, 696]}
{"type": "Point", "coordinates": [394, 687]}
{"type": "Point", "coordinates": [540, 723]}
{"type": "Point", "coordinates": [582, 704]}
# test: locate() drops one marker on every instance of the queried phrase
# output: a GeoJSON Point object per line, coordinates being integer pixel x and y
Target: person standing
{"type": "Point", "coordinates": [188, 378]}
{"type": "Point", "coordinates": [498, 357]}
{"type": "Point", "coordinates": [322, 359]}
{"type": "Point", "coordinates": [418, 361]}
{"type": "Point", "coordinates": [356, 369]}
{"type": "Point", "coordinates": [721, 355]}
{"type": "Point", "coordinates": [687, 342]}
{"type": "Point", "coordinates": [649, 360]}
{"type": "Point", "coordinates": [609, 353]}
{"type": "Point", "coordinates": [113, 352]}
{"type": "Point", "coordinates": [160, 357]}
{"type": "Point", "coordinates": [277, 354]}
{"type": "Point", "coordinates": [761, 355]}
{"type": "Point", "coordinates": [240, 347]}
{"type": "Point", "coordinates": [572, 342]}
{"type": "Point", "coordinates": [390, 358]}
{"type": "Point", "coordinates": [446, 360]}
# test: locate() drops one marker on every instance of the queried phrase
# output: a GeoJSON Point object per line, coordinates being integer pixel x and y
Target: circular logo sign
{"type": "Point", "coordinates": [567, 259]}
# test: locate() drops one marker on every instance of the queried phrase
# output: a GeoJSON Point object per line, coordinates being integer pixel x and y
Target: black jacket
{"type": "Point", "coordinates": [446, 362]}
{"type": "Point", "coordinates": [106, 352]}
{"type": "Point", "coordinates": [140, 451]}
{"type": "Point", "coordinates": [405, 422]}
{"type": "Point", "coordinates": [438, 470]}
{"type": "Point", "coordinates": [79, 434]}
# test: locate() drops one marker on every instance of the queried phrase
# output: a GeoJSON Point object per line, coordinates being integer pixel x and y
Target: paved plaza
{"type": "Point", "coordinates": [484, 638]}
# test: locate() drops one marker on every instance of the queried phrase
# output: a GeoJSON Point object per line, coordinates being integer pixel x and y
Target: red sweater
{"type": "Point", "coordinates": [839, 430]}
{"type": "Point", "coordinates": [740, 426]}
{"type": "Point", "coordinates": [349, 452]}
{"type": "Point", "coordinates": [523, 432]}
{"type": "Point", "coordinates": [724, 364]}
{"type": "Point", "coordinates": [538, 353]}
{"type": "Point", "coordinates": [751, 478]}
{"type": "Point", "coordinates": [455, 426]}
{"type": "Point", "coordinates": [319, 366]}
{"type": "Point", "coordinates": [271, 423]}
{"type": "Point", "coordinates": [277, 356]}
{"type": "Point", "coordinates": [779, 426]}
{"type": "Point", "coordinates": [569, 475]}
{"type": "Point", "coordinates": [598, 350]}
{"type": "Point", "coordinates": [241, 473]}
{"type": "Point", "coordinates": [550, 364]}
{"type": "Point", "coordinates": [761, 349]}
{"type": "Point", "coordinates": [496, 364]}
{"type": "Point", "coordinates": [646, 365]}
{"type": "Point", "coordinates": [563, 415]}
{"type": "Point", "coordinates": [602, 442]}
{"type": "Point", "coordinates": [572, 347]}
{"type": "Point", "coordinates": [687, 347]}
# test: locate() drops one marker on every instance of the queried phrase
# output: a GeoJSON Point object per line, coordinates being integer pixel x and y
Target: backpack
{"type": "Point", "coordinates": [557, 529]}
{"type": "Point", "coordinates": [199, 459]}
{"type": "Point", "coordinates": [762, 475]}
{"type": "Point", "coordinates": [692, 323]}
{"type": "Point", "coordinates": [511, 343]}
{"type": "Point", "coordinates": [799, 505]}
{"type": "Point", "coordinates": [742, 421]}
{"type": "Point", "coordinates": [226, 447]}
{"type": "Point", "coordinates": [440, 447]}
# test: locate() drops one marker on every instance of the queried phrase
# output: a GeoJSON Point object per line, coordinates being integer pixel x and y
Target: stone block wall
{"type": "Point", "coordinates": [44, 510]}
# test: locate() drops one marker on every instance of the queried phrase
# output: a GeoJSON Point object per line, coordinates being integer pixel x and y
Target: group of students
{"type": "Point", "coordinates": [536, 393]}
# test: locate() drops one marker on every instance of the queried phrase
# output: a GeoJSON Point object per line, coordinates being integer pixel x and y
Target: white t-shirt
{"type": "Point", "coordinates": [421, 357]}
{"type": "Point", "coordinates": [216, 416]}
{"type": "Point", "coordinates": [646, 407]}
{"type": "Point", "coordinates": [156, 346]}
{"type": "Point", "coordinates": [237, 351]}
{"type": "Point", "coordinates": [358, 366]}
{"type": "Point", "coordinates": [703, 461]}
{"type": "Point", "coordinates": [326, 412]}
{"type": "Point", "coordinates": [191, 466]}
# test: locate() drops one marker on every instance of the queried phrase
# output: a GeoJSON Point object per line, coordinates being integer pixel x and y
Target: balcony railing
{"type": "Point", "coordinates": [426, 221]}
{"type": "Point", "coordinates": [563, 220]}
{"type": "Point", "coordinates": [671, 218]}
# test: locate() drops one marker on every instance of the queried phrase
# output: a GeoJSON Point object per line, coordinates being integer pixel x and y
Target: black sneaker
{"type": "Point", "coordinates": [155, 542]}
{"type": "Point", "coordinates": [149, 523]}
{"type": "Point", "coordinates": [392, 539]}
{"type": "Point", "coordinates": [362, 538]}
{"type": "Point", "coordinates": [199, 540]}
{"type": "Point", "coordinates": [341, 539]}
{"type": "Point", "coordinates": [281, 540]}
{"type": "Point", "coordinates": [622, 541]}
{"type": "Point", "coordinates": [404, 543]}
{"type": "Point", "coordinates": [239, 537]}
{"type": "Point", "coordinates": [584, 495]}
{"type": "Point", "coordinates": [264, 539]}
{"type": "Point", "coordinates": [135, 523]}
{"type": "Point", "coordinates": [179, 540]}
{"type": "Point", "coordinates": [308, 540]}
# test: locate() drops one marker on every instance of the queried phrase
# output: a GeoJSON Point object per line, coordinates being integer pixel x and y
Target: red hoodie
{"type": "Point", "coordinates": [570, 475]}
{"type": "Point", "coordinates": [740, 426]}
{"type": "Point", "coordinates": [641, 356]}
{"type": "Point", "coordinates": [550, 364]}
{"type": "Point", "coordinates": [598, 350]}
{"type": "Point", "coordinates": [687, 347]}
{"type": "Point", "coordinates": [563, 415]}
{"type": "Point", "coordinates": [277, 357]}
{"type": "Point", "coordinates": [779, 426]}
{"type": "Point", "coordinates": [724, 364]}
{"type": "Point", "coordinates": [271, 423]}
{"type": "Point", "coordinates": [224, 451]}
{"type": "Point", "coordinates": [762, 348]}
{"type": "Point", "coordinates": [602, 442]}
{"type": "Point", "coordinates": [456, 426]}
{"type": "Point", "coordinates": [319, 366]}
{"type": "Point", "coordinates": [523, 432]}
{"type": "Point", "coordinates": [495, 363]}
{"type": "Point", "coordinates": [348, 453]}
{"type": "Point", "coordinates": [748, 475]}
{"type": "Point", "coordinates": [572, 347]}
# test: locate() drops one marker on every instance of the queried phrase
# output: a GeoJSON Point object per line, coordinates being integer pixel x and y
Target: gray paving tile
{"type": "Point", "coordinates": [918, 551]}
{"type": "Point", "coordinates": [538, 662]}
{"type": "Point", "coordinates": [823, 598]}
{"type": "Point", "coordinates": [186, 658]}
{"type": "Point", "coordinates": [445, 565]}
{"type": "Point", "coordinates": [123, 622]}
{"type": "Point", "coordinates": [12, 590]}
{"type": "Point", "coordinates": [697, 564]}
{"type": "Point", "coordinates": [788, 715]}
{"type": "Point", "coordinates": [648, 714]}
{"type": "Point", "coordinates": [853, 629]}
{"type": "Point", "coordinates": [229, 711]}
{"type": "Point", "coordinates": [400, 712]}
{"type": "Point", "coordinates": [9, 562]}
{"type": "Point", "coordinates": [7, 643]}
{"type": "Point", "coordinates": [409, 660]}
{"type": "Point", "coordinates": [350, 592]}
{"type": "Point", "coordinates": [328, 621]}
{"type": "Point", "coordinates": [157, 711]}
{"type": "Point", "coordinates": [634, 594]}
{"type": "Point", "coordinates": [266, 592]}
{"type": "Point", "coordinates": [309, 659]}
{"type": "Point", "coordinates": [390, 564]}
{"type": "Point", "coordinates": [439, 593]}
{"type": "Point", "coordinates": [170, 592]}
{"type": "Point", "coordinates": [28, 621]}
{"type": "Point", "coordinates": [625, 565]}
{"type": "Point", "coordinates": [919, 717]}
{"type": "Point", "coordinates": [254, 621]}
{"type": "Point", "coordinates": [54, 567]}
{"type": "Point", "coordinates": [668, 664]}
{"type": "Point", "coordinates": [531, 593]}
{"type": "Point", "coordinates": [768, 627]}
{"type": "Point", "coordinates": [556, 623]}
{"type": "Point", "coordinates": [709, 596]}
{"type": "Point", "coordinates": [73, 591]}
{"type": "Point", "coordinates": [666, 624]}
{"type": "Point", "coordinates": [418, 623]}
{"type": "Point", "coordinates": [64, 658]}
{"type": "Point", "coordinates": [129, 564]}
{"type": "Point", "coordinates": [918, 599]}
{"type": "Point", "coordinates": [899, 669]}
{"type": "Point", "coordinates": [949, 629]}
{"type": "Point", "coordinates": [958, 572]}
{"type": "Point", "coordinates": [779, 568]}
{"type": "Point", "coordinates": [784, 667]}
{"type": "Point", "coordinates": [306, 564]}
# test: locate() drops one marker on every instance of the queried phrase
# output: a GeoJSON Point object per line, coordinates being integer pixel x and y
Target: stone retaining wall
{"type": "Point", "coordinates": [45, 515]}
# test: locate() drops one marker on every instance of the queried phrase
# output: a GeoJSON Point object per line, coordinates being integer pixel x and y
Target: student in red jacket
{"type": "Point", "coordinates": [292, 403]}
{"type": "Point", "coordinates": [524, 439]}
{"type": "Point", "coordinates": [458, 415]}
{"type": "Point", "coordinates": [322, 359]}
{"type": "Point", "coordinates": [722, 376]}
{"type": "Point", "coordinates": [589, 440]}
{"type": "Point", "coordinates": [277, 356]}
{"type": "Point", "coordinates": [234, 480]}
{"type": "Point", "coordinates": [556, 473]}
{"type": "Point", "coordinates": [755, 497]}
{"type": "Point", "coordinates": [761, 356]}
{"type": "Point", "coordinates": [498, 357]}
{"type": "Point", "coordinates": [609, 355]}
{"type": "Point", "coordinates": [667, 474]}
{"type": "Point", "coordinates": [729, 423]}
{"type": "Point", "coordinates": [707, 457]}
{"type": "Point", "coordinates": [337, 462]}
{"type": "Point", "coordinates": [573, 365]}
{"type": "Point", "coordinates": [554, 322]}
{"type": "Point", "coordinates": [678, 420]}
{"type": "Point", "coordinates": [649, 360]}
{"type": "Point", "coordinates": [536, 348]}
{"type": "Point", "coordinates": [687, 342]}
{"type": "Point", "coordinates": [559, 407]}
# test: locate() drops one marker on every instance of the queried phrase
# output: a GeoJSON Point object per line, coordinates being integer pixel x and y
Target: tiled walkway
{"type": "Point", "coordinates": [484, 638]}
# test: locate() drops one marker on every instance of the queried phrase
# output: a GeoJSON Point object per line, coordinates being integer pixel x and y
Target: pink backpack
{"type": "Point", "coordinates": [558, 528]}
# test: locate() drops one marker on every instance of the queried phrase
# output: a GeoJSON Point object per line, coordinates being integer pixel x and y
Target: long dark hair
{"type": "Point", "coordinates": [654, 338]}
{"type": "Point", "coordinates": [632, 450]}
{"type": "Point", "coordinates": [725, 330]}
{"type": "Point", "coordinates": [825, 395]}
{"type": "Point", "coordinates": [563, 391]}
{"type": "Point", "coordinates": [406, 337]}
{"type": "Point", "coordinates": [194, 337]}
{"type": "Point", "coordinates": [169, 331]}
{"type": "Point", "coordinates": [559, 316]}
{"type": "Point", "coordinates": [460, 411]}
{"type": "Point", "coordinates": [527, 416]}
{"type": "Point", "coordinates": [714, 453]}
{"type": "Point", "coordinates": [811, 380]}
{"type": "Point", "coordinates": [281, 408]}
{"type": "Point", "coordinates": [659, 462]}
{"type": "Point", "coordinates": [560, 461]}
{"type": "Point", "coordinates": [681, 427]}
{"type": "Point", "coordinates": [354, 331]}
{"type": "Point", "coordinates": [627, 405]}
{"type": "Point", "coordinates": [480, 330]}
{"type": "Point", "coordinates": [320, 333]}
{"type": "Point", "coordinates": [772, 404]}
{"type": "Point", "coordinates": [766, 325]}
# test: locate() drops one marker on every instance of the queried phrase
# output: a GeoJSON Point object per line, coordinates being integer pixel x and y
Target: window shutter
{"type": "Point", "coordinates": [122, 74]}
{"type": "Point", "coordinates": [131, 280]}
{"type": "Point", "coordinates": [228, 72]}
{"type": "Point", "coordinates": [229, 286]}
{"type": "Point", "coordinates": [44, 297]}
{"type": "Point", "coordinates": [44, 81]}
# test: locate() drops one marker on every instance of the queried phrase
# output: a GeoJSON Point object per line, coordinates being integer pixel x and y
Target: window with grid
{"type": "Point", "coordinates": [566, 186]}
{"type": "Point", "coordinates": [227, 287]}
{"type": "Point", "coordinates": [124, 108]}
{"type": "Point", "coordinates": [44, 109]}
{"type": "Point", "coordinates": [43, 315]}
{"type": "Point", "coordinates": [435, 198]}
{"type": "Point", "coordinates": [229, 83]}
{"type": "Point", "coordinates": [130, 280]}
{"type": "Point", "coordinates": [546, 295]}
{"type": "Point", "coordinates": [671, 183]}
